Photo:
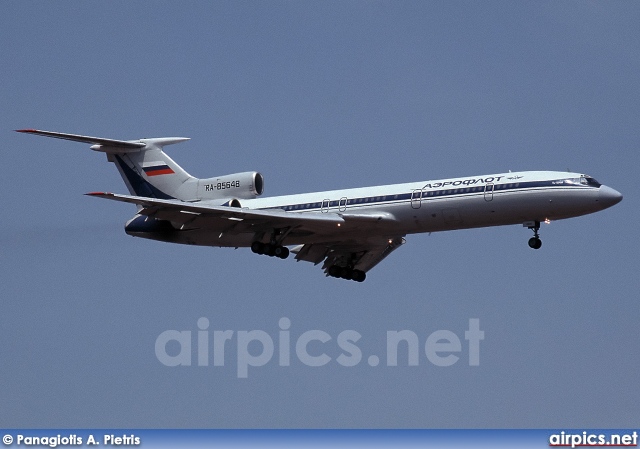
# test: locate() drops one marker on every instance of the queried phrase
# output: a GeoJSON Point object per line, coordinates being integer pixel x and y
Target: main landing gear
{"type": "Point", "coordinates": [343, 268]}
{"type": "Point", "coordinates": [274, 248]}
{"type": "Point", "coordinates": [347, 273]}
{"type": "Point", "coordinates": [534, 242]}
{"type": "Point", "coordinates": [271, 250]}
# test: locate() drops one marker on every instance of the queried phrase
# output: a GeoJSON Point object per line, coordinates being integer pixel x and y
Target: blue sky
{"type": "Point", "coordinates": [316, 96]}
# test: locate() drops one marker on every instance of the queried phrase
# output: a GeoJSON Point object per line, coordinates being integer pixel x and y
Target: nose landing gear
{"type": "Point", "coordinates": [534, 242]}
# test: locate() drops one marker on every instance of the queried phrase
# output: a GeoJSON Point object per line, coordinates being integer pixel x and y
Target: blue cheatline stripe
{"type": "Point", "coordinates": [139, 185]}
{"type": "Point", "coordinates": [428, 194]}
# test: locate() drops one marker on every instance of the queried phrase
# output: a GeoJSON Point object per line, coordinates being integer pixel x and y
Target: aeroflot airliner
{"type": "Point", "coordinates": [349, 231]}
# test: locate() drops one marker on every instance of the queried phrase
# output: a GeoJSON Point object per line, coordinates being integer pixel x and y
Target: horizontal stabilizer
{"type": "Point", "coordinates": [110, 145]}
{"type": "Point", "coordinates": [86, 139]}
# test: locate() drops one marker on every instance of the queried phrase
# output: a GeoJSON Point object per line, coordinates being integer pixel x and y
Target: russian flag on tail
{"type": "Point", "coordinates": [157, 168]}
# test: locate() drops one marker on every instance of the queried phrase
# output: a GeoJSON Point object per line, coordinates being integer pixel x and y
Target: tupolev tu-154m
{"type": "Point", "coordinates": [348, 231]}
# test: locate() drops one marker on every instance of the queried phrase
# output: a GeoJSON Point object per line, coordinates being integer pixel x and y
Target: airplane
{"type": "Point", "coordinates": [349, 231]}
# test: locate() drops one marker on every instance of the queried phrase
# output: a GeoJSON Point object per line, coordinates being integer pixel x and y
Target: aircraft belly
{"type": "Point", "coordinates": [210, 237]}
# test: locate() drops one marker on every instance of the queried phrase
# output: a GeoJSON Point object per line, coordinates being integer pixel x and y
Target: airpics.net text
{"type": "Point", "coordinates": [256, 348]}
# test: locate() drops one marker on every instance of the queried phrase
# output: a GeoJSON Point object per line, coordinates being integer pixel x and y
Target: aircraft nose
{"type": "Point", "coordinates": [608, 196]}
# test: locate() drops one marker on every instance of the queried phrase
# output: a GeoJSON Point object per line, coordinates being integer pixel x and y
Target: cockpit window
{"type": "Point", "coordinates": [589, 181]}
{"type": "Point", "coordinates": [582, 180]}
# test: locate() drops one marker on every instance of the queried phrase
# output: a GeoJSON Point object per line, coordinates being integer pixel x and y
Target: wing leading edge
{"type": "Point", "coordinates": [172, 209]}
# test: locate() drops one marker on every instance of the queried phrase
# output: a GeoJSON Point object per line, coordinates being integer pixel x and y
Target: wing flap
{"type": "Point", "coordinates": [311, 252]}
{"type": "Point", "coordinates": [374, 256]}
{"type": "Point", "coordinates": [368, 218]}
{"type": "Point", "coordinates": [360, 255]}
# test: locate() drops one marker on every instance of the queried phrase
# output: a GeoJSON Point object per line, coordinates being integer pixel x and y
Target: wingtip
{"type": "Point", "coordinates": [98, 194]}
{"type": "Point", "coordinates": [26, 130]}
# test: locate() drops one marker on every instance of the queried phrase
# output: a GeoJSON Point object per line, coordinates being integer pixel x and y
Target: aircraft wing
{"type": "Point", "coordinates": [362, 252]}
{"type": "Point", "coordinates": [243, 220]}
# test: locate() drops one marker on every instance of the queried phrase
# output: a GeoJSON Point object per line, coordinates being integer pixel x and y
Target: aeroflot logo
{"type": "Point", "coordinates": [464, 182]}
{"type": "Point", "coordinates": [256, 348]}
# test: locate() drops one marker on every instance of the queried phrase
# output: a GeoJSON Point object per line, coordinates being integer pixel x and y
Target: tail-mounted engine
{"type": "Point", "coordinates": [246, 185]}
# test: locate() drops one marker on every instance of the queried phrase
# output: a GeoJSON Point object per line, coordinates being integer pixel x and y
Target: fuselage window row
{"type": "Point", "coordinates": [418, 194]}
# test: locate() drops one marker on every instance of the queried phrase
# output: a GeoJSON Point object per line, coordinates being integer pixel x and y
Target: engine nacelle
{"type": "Point", "coordinates": [229, 202]}
{"type": "Point", "coordinates": [246, 185]}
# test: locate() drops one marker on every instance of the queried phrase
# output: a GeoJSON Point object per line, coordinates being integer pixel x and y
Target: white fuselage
{"type": "Point", "coordinates": [431, 206]}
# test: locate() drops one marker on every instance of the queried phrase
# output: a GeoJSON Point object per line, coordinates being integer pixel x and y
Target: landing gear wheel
{"type": "Point", "coordinates": [347, 273]}
{"type": "Point", "coordinates": [270, 249]}
{"type": "Point", "coordinates": [535, 242]}
{"type": "Point", "coordinates": [281, 251]}
{"type": "Point", "coordinates": [257, 247]}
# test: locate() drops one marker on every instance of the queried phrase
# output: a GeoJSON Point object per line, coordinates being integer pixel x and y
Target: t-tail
{"type": "Point", "coordinates": [149, 172]}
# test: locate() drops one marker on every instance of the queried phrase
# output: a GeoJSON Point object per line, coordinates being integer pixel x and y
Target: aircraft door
{"type": "Point", "coordinates": [325, 206]}
{"type": "Point", "coordinates": [342, 204]}
{"type": "Point", "coordinates": [488, 191]}
{"type": "Point", "coordinates": [416, 199]}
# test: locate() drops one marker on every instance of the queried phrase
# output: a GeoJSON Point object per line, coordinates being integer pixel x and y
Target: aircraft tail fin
{"type": "Point", "coordinates": [145, 168]}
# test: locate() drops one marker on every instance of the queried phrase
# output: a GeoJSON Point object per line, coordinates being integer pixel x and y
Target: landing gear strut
{"type": "Point", "coordinates": [534, 242]}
